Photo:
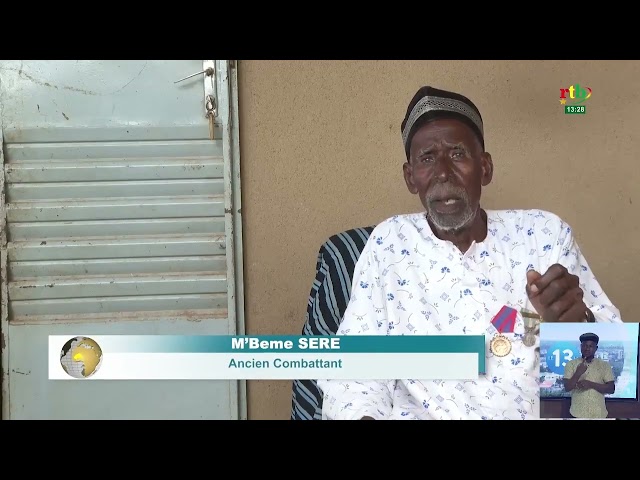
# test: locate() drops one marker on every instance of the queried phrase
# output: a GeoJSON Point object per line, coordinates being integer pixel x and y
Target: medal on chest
{"type": "Point", "coordinates": [500, 345]}
{"type": "Point", "coordinates": [504, 322]}
{"type": "Point", "coordinates": [531, 327]}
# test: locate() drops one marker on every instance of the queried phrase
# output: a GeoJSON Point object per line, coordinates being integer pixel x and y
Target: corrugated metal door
{"type": "Point", "coordinates": [120, 216]}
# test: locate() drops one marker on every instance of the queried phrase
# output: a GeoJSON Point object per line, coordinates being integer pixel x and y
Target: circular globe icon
{"type": "Point", "coordinates": [81, 357]}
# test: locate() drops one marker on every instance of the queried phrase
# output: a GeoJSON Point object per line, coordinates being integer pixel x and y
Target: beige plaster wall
{"type": "Point", "coordinates": [321, 152]}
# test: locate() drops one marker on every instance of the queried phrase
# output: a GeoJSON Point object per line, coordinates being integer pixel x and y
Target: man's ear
{"type": "Point", "coordinates": [407, 170]}
{"type": "Point", "coordinates": [487, 169]}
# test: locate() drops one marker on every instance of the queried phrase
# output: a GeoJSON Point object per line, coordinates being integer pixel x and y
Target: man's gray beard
{"type": "Point", "coordinates": [451, 222]}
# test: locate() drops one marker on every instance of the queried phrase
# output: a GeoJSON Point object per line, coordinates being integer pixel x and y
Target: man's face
{"type": "Point", "coordinates": [447, 168]}
{"type": "Point", "coordinates": [588, 348]}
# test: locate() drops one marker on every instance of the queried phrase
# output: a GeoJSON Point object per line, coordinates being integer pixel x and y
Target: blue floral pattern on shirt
{"type": "Point", "coordinates": [409, 282]}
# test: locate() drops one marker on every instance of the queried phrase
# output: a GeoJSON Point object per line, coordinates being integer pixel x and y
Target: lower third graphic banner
{"type": "Point", "coordinates": [268, 357]}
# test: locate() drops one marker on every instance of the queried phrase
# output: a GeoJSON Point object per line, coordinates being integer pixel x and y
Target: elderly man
{"type": "Point", "coordinates": [589, 379]}
{"type": "Point", "coordinates": [458, 269]}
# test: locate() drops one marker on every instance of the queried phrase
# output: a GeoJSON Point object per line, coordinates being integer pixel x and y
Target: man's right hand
{"type": "Point", "coordinates": [584, 384]}
{"type": "Point", "coordinates": [573, 382]}
{"type": "Point", "coordinates": [581, 369]}
{"type": "Point", "coordinates": [556, 295]}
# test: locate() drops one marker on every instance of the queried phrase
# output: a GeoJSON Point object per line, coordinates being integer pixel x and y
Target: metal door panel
{"type": "Point", "coordinates": [104, 228]}
{"type": "Point", "coordinates": [33, 396]}
{"type": "Point", "coordinates": [118, 220]}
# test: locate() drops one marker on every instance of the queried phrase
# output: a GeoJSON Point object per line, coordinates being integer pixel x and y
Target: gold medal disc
{"type": "Point", "coordinates": [500, 346]}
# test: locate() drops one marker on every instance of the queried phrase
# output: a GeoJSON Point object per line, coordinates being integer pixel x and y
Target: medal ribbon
{"type": "Point", "coordinates": [505, 320]}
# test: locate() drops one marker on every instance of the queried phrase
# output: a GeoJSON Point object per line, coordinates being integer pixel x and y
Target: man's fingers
{"type": "Point", "coordinates": [539, 284]}
{"type": "Point", "coordinates": [562, 294]}
{"type": "Point", "coordinates": [558, 304]}
{"type": "Point", "coordinates": [532, 277]}
{"type": "Point", "coordinates": [574, 314]}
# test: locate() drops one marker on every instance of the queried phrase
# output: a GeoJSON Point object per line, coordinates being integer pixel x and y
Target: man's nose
{"type": "Point", "coordinates": [442, 168]}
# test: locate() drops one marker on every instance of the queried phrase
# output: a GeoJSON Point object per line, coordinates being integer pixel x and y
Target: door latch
{"type": "Point", "coordinates": [212, 112]}
{"type": "Point", "coordinates": [208, 71]}
{"type": "Point", "coordinates": [210, 93]}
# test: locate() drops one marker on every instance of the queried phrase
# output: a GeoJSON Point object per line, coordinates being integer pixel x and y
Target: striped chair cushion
{"type": "Point", "coordinates": [328, 301]}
